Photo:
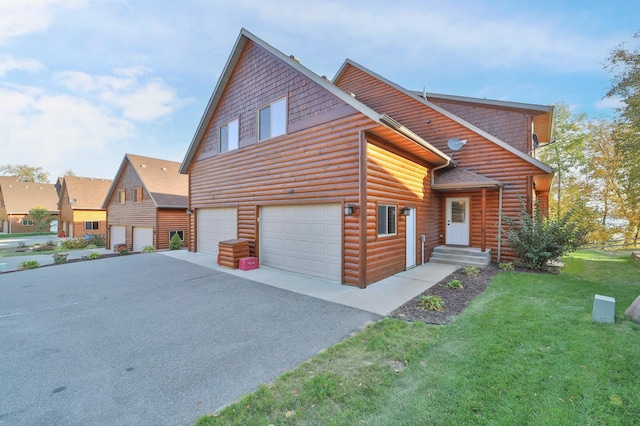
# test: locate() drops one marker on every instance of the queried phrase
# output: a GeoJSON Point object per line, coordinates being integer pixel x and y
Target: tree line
{"type": "Point", "coordinates": [597, 161]}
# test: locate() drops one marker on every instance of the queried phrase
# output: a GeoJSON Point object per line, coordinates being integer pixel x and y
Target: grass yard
{"type": "Point", "coordinates": [524, 352]}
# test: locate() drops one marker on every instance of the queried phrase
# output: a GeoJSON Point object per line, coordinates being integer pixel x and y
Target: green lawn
{"type": "Point", "coordinates": [524, 353]}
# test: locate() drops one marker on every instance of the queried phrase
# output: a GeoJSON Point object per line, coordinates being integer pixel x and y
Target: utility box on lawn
{"type": "Point", "coordinates": [604, 309]}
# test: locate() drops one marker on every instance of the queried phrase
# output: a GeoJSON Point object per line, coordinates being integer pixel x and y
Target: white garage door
{"type": "Point", "coordinates": [215, 225]}
{"type": "Point", "coordinates": [142, 237]}
{"type": "Point", "coordinates": [118, 235]}
{"type": "Point", "coordinates": [306, 239]}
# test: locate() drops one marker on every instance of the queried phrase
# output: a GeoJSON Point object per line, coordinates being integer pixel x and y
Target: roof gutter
{"type": "Point", "coordinates": [433, 171]}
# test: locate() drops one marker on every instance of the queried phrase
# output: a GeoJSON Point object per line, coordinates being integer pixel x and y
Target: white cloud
{"type": "Point", "coordinates": [20, 17]}
{"type": "Point", "coordinates": [609, 103]}
{"type": "Point", "coordinates": [125, 90]}
{"type": "Point", "coordinates": [9, 63]}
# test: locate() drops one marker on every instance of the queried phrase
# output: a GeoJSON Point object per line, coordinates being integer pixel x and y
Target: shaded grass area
{"type": "Point", "coordinates": [524, 352]}
{"type": "Point", "coordinates": [34, 234]}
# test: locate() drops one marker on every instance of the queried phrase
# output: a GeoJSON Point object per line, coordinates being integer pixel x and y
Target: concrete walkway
{"type": "Point", "coordinates": [382, 297]}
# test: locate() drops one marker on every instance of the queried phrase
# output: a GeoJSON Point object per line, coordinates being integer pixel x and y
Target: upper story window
{"type": "Point", "coordinates": [229, 136]}
{"type": "Point", "coordinates": [386, 220]}
{"type": "Point", "coordinates": [137, 195]}
{"type": "Point", "coordinates": [272, 120]}
{"type": "Point", "coordinates": [122, 196]}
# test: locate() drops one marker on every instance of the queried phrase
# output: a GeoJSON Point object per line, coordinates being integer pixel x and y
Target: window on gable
{"type": "Point", "coordinates": [272, 120]}
{"type": "Point", "coordinates": [386, 220]}
{"type": "Point", "coordinates": [91, 226]}
{"type": "Point", "coordinates": [229, 136]}
{"type": "Point", "coordinates": [122, 196]}
{"type": "Point", "coordinates": [137, 195]}
{"type": "Point", "coordinates": [180, 234]}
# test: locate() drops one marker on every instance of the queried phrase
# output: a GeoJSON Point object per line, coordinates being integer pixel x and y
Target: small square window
{"type": "Point", "coordinates": [272, 120]}
{"type": "Point", "coordinates": [386, 220]}
{"type": "Point", "coordinates": [229, 136]}
{"type": "Point", "coordinates": [137, 195]}
{"type": "Point", "coordinates": [180, 234]}
{"type": "Point", "coordinates": [91, 226]}
{"type": "Point", "coordinates": [122, 196]}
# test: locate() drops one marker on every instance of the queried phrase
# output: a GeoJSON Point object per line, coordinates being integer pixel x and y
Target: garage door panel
{"type": "Point", "coordinates": [142, 237]}
{"type": "Point", "coordinates": [305, 239]}
{"type": "Point", "coordinates": [118, 235]}
{"type": "Point", "coordinates": [215, 225]}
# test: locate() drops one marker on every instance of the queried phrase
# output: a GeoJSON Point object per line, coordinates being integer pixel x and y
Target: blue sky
{"type": "Point", "coordinates": [82, 82]}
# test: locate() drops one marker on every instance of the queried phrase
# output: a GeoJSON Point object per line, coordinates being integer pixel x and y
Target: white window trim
{"type": "Point", "coordinates": [286, 119]}
{"type": "Point", "coordinates": [232, 125]}
{"type": "Point", "coordinates": [387, 234]}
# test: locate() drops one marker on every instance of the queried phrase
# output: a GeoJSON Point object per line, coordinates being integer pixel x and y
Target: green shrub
{"type": "Point", "coordinates": [91, 246]}
{"type": "Point", "coordinates": [60, 258]}
{"type": "Point", "coordinates": [506, 266]}
{"type": "Point", "coordinates": [124, 252]}
{"type": "Point", "coordinates": [29, 264]}
{"type": "Point", "coordinates": [472, 271]}
{"type": "Point", "coordinates": [75, 243]}
{"type": "Point", "coordinates": [176, 242]}
{"type": "Point", "coordinates": [97, 240]}
{"type": "Point", "coordinates": [93, 255]}
{"type": "Point", "coordinates": [455, 284]}
{"type": "Point", "coordinates": [536, 239]}
{"type": "Point", "coordinates": [148, 249]}
{"type": "Point", "coordinates": [431, 302]}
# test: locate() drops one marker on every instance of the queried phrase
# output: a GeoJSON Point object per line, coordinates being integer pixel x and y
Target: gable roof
{"type": "Point", "coordinates": [85, 193]}
{"type": "Point", "coordinates": [20, 197]}
{"type": "Point", "coordinates": [447, 114]}
{"type": "Point", "coordinates": [165, 185]}
{"type": "Point", "coordinates": [244, 37]}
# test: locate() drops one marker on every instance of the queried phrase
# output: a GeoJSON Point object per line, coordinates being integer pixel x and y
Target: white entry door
{"type": "Point", "coordinates": [458, 221]}
{"type": "Point", "coordinates": [411, 238]}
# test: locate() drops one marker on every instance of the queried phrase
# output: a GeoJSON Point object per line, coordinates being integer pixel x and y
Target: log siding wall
{"type": "Point", "coordinates": [171, 220]}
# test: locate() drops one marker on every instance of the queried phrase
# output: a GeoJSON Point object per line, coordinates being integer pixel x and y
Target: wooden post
{"type": "Point", "coordinates": [483, 220]}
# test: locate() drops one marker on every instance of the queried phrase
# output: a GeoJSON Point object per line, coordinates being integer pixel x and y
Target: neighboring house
{"type": "Point", "coordinates": [146, 204]}
{"type": "Point", "coordinates": [17, 198]}
{"type": "Point", "coordinates": [80, 204]}
{"type": "Point", "coordinates": [354, 180]}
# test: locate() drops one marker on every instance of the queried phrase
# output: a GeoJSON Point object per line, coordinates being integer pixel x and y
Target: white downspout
{"type": "Point", "coordinates": [433, 171]}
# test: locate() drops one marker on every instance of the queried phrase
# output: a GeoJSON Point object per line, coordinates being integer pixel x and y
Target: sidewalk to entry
{"type": "Point", "coordinates": [382, 297]}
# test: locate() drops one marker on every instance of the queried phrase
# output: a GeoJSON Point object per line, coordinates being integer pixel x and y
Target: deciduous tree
{"type": "Point", "coordinates": [25, 172]}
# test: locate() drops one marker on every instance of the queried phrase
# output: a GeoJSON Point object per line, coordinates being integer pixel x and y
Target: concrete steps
{"type": "Point", "coordinates": [463, 256]}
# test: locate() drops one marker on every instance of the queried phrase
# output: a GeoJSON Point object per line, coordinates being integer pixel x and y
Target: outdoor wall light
{"type": "Point", "coordinates": [189, 211]}
{"type": "Point", "coordinates": [406, 211]}
{"type": "Point", "coordinates": [348, 209]}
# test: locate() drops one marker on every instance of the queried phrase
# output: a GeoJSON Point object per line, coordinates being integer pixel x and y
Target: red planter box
{"type": "Point", "coordinates": [248, 263]}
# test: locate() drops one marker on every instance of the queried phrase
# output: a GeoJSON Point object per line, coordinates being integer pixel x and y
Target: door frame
{"type": "Point", "coordinates": [465, 228]}
{"type": "Point", "coordinates": [410, 239]}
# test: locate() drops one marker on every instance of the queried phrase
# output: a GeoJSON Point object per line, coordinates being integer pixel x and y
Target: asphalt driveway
{"type": "Point", "coordinates": [147, 339]}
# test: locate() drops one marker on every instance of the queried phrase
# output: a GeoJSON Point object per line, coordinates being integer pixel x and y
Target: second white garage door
{"type": "Point", "coordinates": [142, 237]}
{"type": "Point", "coordinates": [215, 225]}
{"type": "Point", "coordinates": [305, 238]}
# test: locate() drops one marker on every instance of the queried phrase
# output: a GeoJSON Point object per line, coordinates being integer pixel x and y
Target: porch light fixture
{"type": "Point", "coordinates": [348, 209]}
{"type": "Point", "coordinates": [406, 211]}
{"type": "Point", "coordinates": [189, 211]}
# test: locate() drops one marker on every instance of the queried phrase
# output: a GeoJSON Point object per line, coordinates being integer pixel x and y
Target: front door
{"type": "Point", "coordinates": [411, 238]}
{"type": "Point", "coordinates": [458, 221]}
